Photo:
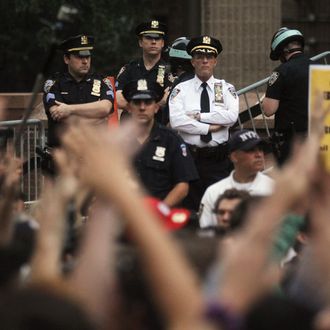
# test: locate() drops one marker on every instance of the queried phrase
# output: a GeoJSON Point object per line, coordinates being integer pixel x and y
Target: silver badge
{"type": "Point", "coordinates": [159, 154]}
{"type": "Point", "coordinates": [142, 85]}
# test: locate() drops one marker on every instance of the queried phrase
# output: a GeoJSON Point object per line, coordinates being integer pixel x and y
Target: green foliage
{"type": "Point", "coordinates": [27, 36]}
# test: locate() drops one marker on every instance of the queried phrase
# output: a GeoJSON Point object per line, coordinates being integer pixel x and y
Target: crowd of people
{"type": "Point", "coordinates": [168, 221]}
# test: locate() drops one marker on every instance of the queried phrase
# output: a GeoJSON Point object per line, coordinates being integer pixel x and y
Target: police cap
{"type": "Point", "coordinates": [204, 44]}
{"type": "Point", "coordinates": [80, 45]}
{"type": "Point", "coordinates": [153, 28]}
{"type": "Point", "coordinates": [143, 89]}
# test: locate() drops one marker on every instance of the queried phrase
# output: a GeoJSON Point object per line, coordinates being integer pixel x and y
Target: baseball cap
{"type": "Point", "coordinates": [245, 140]}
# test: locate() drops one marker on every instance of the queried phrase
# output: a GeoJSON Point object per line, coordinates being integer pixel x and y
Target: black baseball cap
{"type": "Point", "coordinates": [245, 140]}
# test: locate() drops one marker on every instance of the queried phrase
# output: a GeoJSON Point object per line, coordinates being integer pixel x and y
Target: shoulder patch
{"type": "Point", "coordinates": [174, 93]}
{"type": "Point", "coordinates": [48, 85]}
{"type": "Point", "coordinates": [232, 91]}
{"type": "Point", "coordinates": [183, 150]}
{"type": "Point", "coordinates": [121, 71]}
{"type": "Point", "coordinates": [273, 77]}
{"type": "Point", "coordinates": [107, 81]}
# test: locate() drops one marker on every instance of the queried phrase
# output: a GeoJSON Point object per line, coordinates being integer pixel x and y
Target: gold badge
{"type": "Point", "coordinates": [218, 93]}
{"type": "Point", "coordinates": [206, 40]}
{"type": "Point", "coordinates": [155, 24]}
{"type": "Point", "coordinates": [161, 75]}
{"type": "Point", "coordinates": [142, 85]}
{"type": "Point", "coordinates": [96, 89]}
{"type": "Point", "coordinates": [84, 40]}
{"type": "Point", "coordinates": [159, 154]}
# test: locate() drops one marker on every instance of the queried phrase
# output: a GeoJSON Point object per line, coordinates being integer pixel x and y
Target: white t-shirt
{"type": "Point", "coordinates": [262, 185]}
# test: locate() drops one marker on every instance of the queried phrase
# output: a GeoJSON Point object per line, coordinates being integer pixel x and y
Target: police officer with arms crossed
{"type": "Point", "coordinates": [150, 66]}
{"type": "Point", "coordinates": [202, 109]}
{"type": "Point", "coordinates": [287, 91]}
{"type": "Point", "coordinates": [164, 165]}
{"type": "Point", "coordinates": [77, 92]}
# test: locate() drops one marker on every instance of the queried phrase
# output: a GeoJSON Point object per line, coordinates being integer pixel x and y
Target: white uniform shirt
{"type": "Point", "coordinates": [262, 185]}
{"type": "Point", "coordinates": [185, 100]}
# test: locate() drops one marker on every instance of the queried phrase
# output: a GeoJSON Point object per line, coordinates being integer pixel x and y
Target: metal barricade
{"type": "Point", "coordinates": [252, 114]}
{"type": "Point", "coordinates": [33, 137]}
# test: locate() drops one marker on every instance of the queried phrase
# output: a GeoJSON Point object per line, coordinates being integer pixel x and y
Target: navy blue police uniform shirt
{"type": "Point", "coordinates": [136, 70]}
{"type": "Point", "coordinates": [64, 88]}
{"type": "Point", "coordinates": [163, 162]}
{"type": "Point", "coordinates": [289, 84]}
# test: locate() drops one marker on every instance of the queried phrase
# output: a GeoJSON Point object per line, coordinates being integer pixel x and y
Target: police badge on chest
{"type": "Point", "coordinates": [159, 154]}
{"type": "Point", "coordinates": [96, 89]}
{"type": "Point", "coordinates": [218, 93]}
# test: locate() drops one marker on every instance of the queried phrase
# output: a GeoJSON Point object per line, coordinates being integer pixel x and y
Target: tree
{"type": "Point", "coordinates": [25, 36]}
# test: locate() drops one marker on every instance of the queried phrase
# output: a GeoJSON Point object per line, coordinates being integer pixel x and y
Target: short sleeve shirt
{"type": "Point", "coordinates": [136, 70]}
{"type": "Point", "coordinates": [163, 162]}
{"type": "Point", "coordinates": [289, 84]}
{"type": "Point", "coordinates": [66, 89]}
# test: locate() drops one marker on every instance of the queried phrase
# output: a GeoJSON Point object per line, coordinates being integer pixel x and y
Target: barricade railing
{"type": "Point", "coordinates": [251, 97]}
{"type": "Point", "coordinates": [25, 148]}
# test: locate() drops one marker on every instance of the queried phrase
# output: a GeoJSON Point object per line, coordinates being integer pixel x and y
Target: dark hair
{"type": "Point", "coordinates": [231, 194]}
{"type": "Point", "coordinates": [279, 313]}
{"type": "Point", "coordinates": [238, 217]}
{"type": "Point", "coordinates": [36, 308]}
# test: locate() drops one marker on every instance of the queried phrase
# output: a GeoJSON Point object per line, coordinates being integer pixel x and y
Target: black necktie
{"type": "Point", "coordinates": [205, 107]}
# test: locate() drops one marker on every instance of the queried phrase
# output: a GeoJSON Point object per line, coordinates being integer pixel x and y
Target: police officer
{"type": "Point", "coordinates": [287, 90]}
{"type": "Point", "coordinates": [164, 164]}
{"type": "Point", "coordinates": [77, 92]}
{"type": "Point", "coordinates": [150, 66]}
{"type": "Point", "coordinates": [202, 109]}
{"type": "Point", "coordinates": [181, 68]}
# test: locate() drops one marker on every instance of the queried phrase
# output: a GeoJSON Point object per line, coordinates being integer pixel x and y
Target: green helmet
{"type": "Point", "coordinates": [281, 38]}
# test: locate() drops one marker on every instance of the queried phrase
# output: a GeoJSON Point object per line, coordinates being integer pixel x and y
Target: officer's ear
{"type": "Point", "coordinates": [192, 61]}
{"type": "Point", "coordinates": [157, 106]}
{"type": "Point", "coordinates": [233, 157]}
{"type": "Point", "coordinates": [66, 58]}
